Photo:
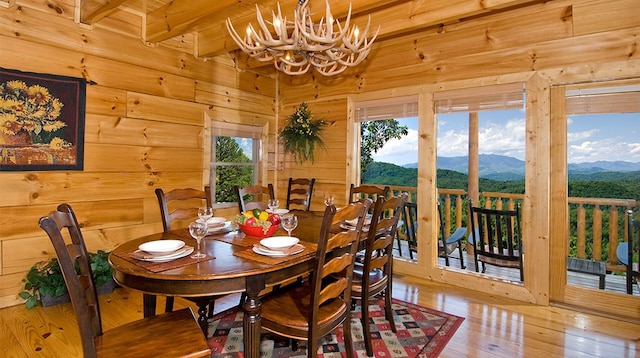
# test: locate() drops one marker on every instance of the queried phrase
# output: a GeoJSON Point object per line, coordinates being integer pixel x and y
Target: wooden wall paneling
{"type": "Point", "coordinates": [232, 98]}
{"type": "Point", "coordinates": [102, 129]}
{"type": "Point", "coordinates": [238, 116]}
{"type": "Point", "coordinates": [127, 158]}
{"type": "Point", "coordinates": [23, 220]}
{"type": "Point", "coordinates": [106, 101]}
{"type": "Point", "coordinates": [33, 188]}
{"type": "Point", "coordinates": [605, 15]}
{"type": "Point", "coordinates": [10, 285]}
{"type": "Point", "coordinates": [124, 22]}
{"type": "Point", "coordinates": [164, 109]}
{"type": "Point", "coordinates": [49, 29]}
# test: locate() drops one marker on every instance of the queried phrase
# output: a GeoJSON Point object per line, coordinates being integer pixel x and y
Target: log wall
{"type": "Point", "coordinates": [148, 116]}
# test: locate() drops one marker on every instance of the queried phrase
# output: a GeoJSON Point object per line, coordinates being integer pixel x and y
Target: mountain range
{"type": "Point", "coordinates": [503, 168]}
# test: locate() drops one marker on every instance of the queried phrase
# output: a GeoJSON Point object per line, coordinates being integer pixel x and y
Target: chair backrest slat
{"type": "Point", "coordinates": [367, 191]}
{"type": "Point", "coordinates": [181, 204]}
{"type": "Point", "coordinates": [253, 197]}
{"type": "Point", "coordinates": [299, 193]}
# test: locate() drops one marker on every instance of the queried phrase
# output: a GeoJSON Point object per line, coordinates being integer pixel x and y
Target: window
{"type": "Point", "coordinates": [234, 152]}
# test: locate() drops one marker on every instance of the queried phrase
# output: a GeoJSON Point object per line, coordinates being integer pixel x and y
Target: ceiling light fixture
{"type": "Point", "coordinates": [295, 46]}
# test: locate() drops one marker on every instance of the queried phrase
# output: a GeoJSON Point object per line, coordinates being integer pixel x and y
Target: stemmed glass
{"type": "Point", "coordinates": [289, 223]}
{"type": "Point", "coordinates": [205, 213]}
{"type": "Point", "coordinates": [328, 199]}
{"type": "Point", "coordinates": [198, 231]}
{"type": "Point", "coordinates": [273, 205]}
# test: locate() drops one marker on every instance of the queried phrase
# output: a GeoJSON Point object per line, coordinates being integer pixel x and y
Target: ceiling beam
{"type": "Point", "coordinates": [92, 11]}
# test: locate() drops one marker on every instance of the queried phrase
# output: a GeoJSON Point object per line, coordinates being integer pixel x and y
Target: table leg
{"type": "Point", "coordinates": [148, 305]}
{"type": "Point", "coordinates": [252, 324]}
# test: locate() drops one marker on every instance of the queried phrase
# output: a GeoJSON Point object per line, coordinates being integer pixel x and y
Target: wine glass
{"type": "Point", "coordinates": [273, 205]}
{"type": "Point", "coordinates": [289, 223]}
{"type": "Point", "coordinates": [328, 199]}
{"type": "Point", "coordinates": [198, 231]}
{"type": "Point", "coordinates": [205, 213]}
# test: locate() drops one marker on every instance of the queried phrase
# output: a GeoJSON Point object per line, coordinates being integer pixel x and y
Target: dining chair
{"type": "Point", "coordinates": [299, 193]}
{"type": "Point", "coordinates": [254, 196]}
{"type": "Point", "coordinates": [367, 191]}
{"type": "Point", "coordinates": [180, 206]}
{"type": "Point", "coordinates": [496, 237]}
{"type": "Point", "coordinates": [311, 309]}
{"type": "Point", "coordinates": [174, 334]}
{"type": "Point", "coordinates": [626, 254]}
{"type": "Point", "coordinates": [374, 275]}
{"type": "Point", "coordinates": [447, 244]}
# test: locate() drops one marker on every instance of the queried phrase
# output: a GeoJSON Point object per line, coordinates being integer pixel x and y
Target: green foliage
{"type": "Point", "coordinates": [301, 134]}
{"type": "Point", "coordinates": [45, 278]}
{"type": "Point", "coordinates": [228, 151]}
{"type": "Point", "coordinates": [374, 135]}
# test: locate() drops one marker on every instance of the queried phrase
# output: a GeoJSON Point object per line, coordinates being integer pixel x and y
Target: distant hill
{"type": "Point", "coordinates": [620, 185]}
{"type": "Point", "coordinates": [501, 168]}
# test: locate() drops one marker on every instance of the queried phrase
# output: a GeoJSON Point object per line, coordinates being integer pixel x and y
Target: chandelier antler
{"type": "Point", "coordinates": [296, 46]}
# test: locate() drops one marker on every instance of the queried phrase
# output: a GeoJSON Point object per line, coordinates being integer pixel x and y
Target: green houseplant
{"type": "Point", "coordinates": [44, 280]}
{"type": "Point", "coordinates": [301, 134]}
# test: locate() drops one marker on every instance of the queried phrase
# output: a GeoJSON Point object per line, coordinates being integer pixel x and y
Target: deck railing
{"type": "Point", "coordinates": [596, 225]}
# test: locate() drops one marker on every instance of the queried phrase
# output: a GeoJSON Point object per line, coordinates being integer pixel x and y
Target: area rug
{"type": "Point", "coordinates": [421, 332]}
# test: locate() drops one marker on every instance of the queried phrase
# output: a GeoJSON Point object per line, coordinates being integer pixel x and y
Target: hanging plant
{"type": "Point", "coordinates": [301, 134]}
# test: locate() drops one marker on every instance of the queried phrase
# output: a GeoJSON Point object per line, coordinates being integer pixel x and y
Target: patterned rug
{"type": "Point", "coordinates": [421, 332]}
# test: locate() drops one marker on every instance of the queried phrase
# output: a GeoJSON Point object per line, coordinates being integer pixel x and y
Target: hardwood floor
{"type": "Point", "coordinates": [493, 327]}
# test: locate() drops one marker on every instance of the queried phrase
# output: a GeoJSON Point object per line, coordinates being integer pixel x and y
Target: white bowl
{"type": "Point", "coordinates": [216, 220]}
{"type": "Point", "coordinates": [278, 211]}
{"type": "Point", "coordinates": [279, 243]}
{"type": "Point", "coordinates": [161, 246]}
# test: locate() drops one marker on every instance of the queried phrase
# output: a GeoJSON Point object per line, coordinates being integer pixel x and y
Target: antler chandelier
{"type": "Point", "coordinates": [297, 45]}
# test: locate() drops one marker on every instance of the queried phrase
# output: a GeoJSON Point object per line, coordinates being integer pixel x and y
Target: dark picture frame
{"type": "Point", "coordinates": [42, 119]}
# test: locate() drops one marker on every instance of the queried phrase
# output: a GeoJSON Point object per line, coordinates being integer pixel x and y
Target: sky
{"type": "Point", "coordinates": [590, 137]}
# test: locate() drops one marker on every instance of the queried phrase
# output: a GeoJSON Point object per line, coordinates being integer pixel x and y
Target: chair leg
{"type": "Point", "coordinates": [462, 266]}
{"type": "Point", "coordinates": [366, 328]}
{"type": "Point", "coordinates": [211, 308]}
{"type": "Point", "coordinates": [399, 245]}
{"type": "Point", "coordinates": [168, 305]}
{"type": "Point", "coordinates": [348, 339]}
{"type": "Point", "coordinates": [388, 311]}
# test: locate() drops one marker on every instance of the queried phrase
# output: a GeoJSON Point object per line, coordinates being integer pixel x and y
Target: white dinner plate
{"type": "Point", "coordinates": [187, 250]}
{"type": "Point", "coordinates": [354, 222]}
{"type": "Point", "coordinates": [277, 211]}
{"type": "Point", "coordinates": [270, 253]}
{"type": "Point", "coordinates": [160, 247]}
{"type": "Point", "coordinates": [349, 227]}
{"type": "Point", "coordinates": [226, 225]}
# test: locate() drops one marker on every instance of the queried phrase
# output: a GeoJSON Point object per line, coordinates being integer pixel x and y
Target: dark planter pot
{"type": "Point", "coordinates": [47, 301]}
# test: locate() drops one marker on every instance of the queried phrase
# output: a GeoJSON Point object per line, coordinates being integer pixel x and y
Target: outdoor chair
{"type": "Point", "coordinates": [410, 216]}
{"type": "Point", "coordinates": [448, 244]}
{"type": "Point", "coordinates": [374, 275]}
{"type": "Point", "coordinates": [628, 252]}
{"type": "Point", "coordinates": [253, 197]}
{"type": "Point", "coordinates": [174, 334]}
{"type": "Point", "coordinates": [299, 193]}
{"type": "Point", "coordinates": [322, 303]}
{"type": "Point", "coordinates": [181, 205]}
{"type": "Point", "coordinates": [357, 193]}
{"type": "Point", "coordinates": [496, 237]}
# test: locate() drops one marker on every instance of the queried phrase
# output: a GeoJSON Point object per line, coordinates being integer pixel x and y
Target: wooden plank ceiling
{"type": "Point", "coordinates": [204, 20]}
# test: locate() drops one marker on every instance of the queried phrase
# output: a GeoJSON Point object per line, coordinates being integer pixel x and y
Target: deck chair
{"type": "Point", "coordinates": [179, 206]}
{"type": "Point", "coordinates": [374, 275]}
{"type": "Point", "coordinates": [253, 197]}
{"type": "Point", "coordinates": [311, 309]}
{"type": "Point", "coordinates": [625, 252]}
{"type": "Point", "coordinates": [174, 334]}
{"type": "Point", "coordinates": [365, 191]}
{"type": "Point", "coordinates": [299, 193]}
{"type": "Point", "coordinates": [449, 243]}
{"type": "Point", "coordinates": [496, 237]}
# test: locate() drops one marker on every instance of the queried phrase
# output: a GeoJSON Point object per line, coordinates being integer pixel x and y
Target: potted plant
{"type": "Point", "coordinates": [44, 283]}
{"type": "Point", "coordinates": [301, 134]}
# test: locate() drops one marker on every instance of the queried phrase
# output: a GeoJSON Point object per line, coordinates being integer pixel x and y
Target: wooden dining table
{"type": "Point", "coordinates": [230, 266]}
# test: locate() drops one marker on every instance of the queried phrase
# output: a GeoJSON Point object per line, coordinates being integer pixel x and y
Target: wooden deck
{"type": "Point", "coordinates": [613, 283]}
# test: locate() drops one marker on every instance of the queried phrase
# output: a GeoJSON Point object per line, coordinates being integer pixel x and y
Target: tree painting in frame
{"type": "Point", "coordinates": [41, 121]}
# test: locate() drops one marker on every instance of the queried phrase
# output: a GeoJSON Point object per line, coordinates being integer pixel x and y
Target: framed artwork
{"type": "Point", "coordinates": [41, 121]}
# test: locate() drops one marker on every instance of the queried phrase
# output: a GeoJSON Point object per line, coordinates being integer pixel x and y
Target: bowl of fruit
{"type": "Point", "coordinates": [258, 223]}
